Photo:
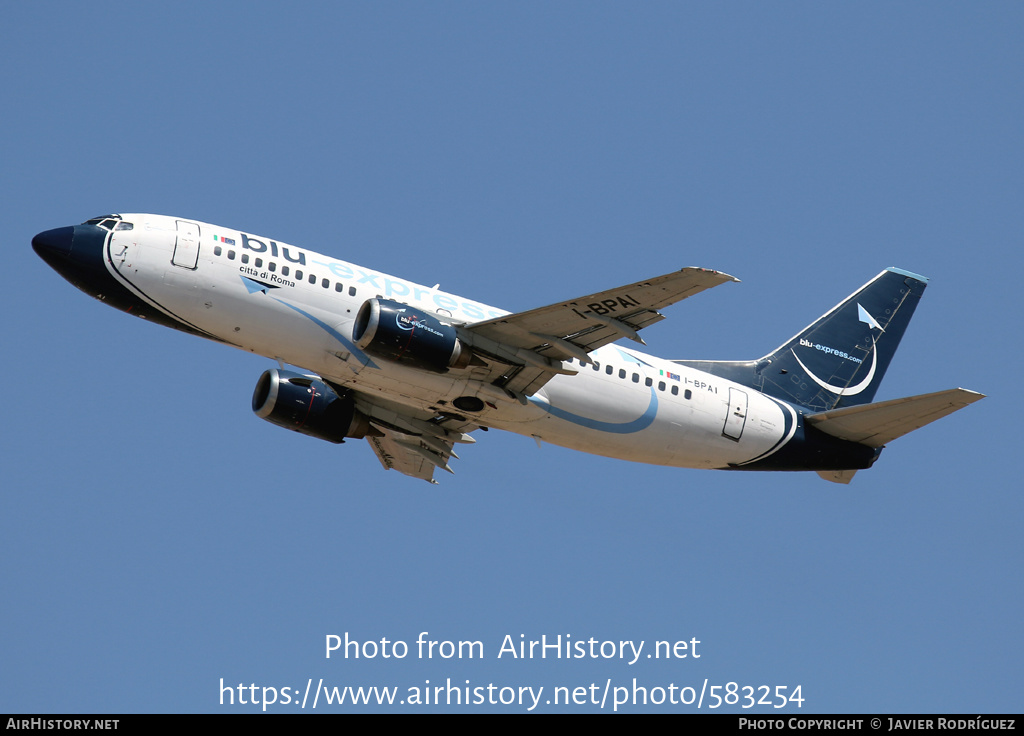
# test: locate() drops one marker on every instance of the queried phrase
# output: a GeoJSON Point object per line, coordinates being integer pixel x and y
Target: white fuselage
{"type": "Point", "coordinates": [298, 307]}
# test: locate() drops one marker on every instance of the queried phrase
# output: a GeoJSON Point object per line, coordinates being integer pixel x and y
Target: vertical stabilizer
{"type": "Point", "coordinates": [840, 359]}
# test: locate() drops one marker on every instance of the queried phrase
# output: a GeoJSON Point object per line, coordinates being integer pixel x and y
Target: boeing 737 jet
{"type": "Point", "coordinates": [415, 370]}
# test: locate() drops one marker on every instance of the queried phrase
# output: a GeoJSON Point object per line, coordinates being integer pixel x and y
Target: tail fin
{"type": "Point", "coordinates": [840, 359]}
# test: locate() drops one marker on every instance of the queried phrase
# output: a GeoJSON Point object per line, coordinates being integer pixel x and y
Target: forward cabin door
{"type": "Point", "coordinates": [186, 247]}
{"type": "Point", "coordinates": [736, 416]}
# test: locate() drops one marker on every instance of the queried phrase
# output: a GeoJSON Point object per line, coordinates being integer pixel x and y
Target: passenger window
{"type": "Point", "coordinates": [597, 366]}
{"type": "Point", "coordinates": [622, 372]}
{"type": "Point", "coordinates": [245, 258]}
{"type": "Point", "coordinates": [298, 275]}
{"type": "Point", "coordinates": [312, 279]}
{"type": "Point", "coordinates": [687, 394]}
{"type": "Point", "coordinates": [351, 291]}
{"type": "Point", "coordinates": [648, 381]}
{"type": "Point", "coordinates": [608, 369]}
{"type": "Point", "coordinates": [272, 266]}
{"type": "Point", "coordinates": [339, 288]}
{"type": "Point", "coordinates": [259, 263]}
{"type": "Point", "coordinates": [636, 378]}
{"type": "Point", "coordinates": [661, 385]}
{"type": "Point", "coordinates": [284, 270]}
{"type": "Point", "coordinates": [217, 250]}
{"type": "Point", "coordinates": [231, 255]}
{"type": "Point", "coordinates": [675, 390]}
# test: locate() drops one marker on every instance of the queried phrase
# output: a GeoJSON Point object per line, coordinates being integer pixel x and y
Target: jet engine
{"type": "Point", "coordinates": [304, 404]}
{"type": "Point", "coordinates": [397, 332]}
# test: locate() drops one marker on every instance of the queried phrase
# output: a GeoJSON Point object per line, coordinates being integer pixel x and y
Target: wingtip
{"type": "Point", "coordinates": [972, 396]}
{"type": "Point", "coordinates": [721, 274]}
{"type": "Point", "coordinates": [728, 277]}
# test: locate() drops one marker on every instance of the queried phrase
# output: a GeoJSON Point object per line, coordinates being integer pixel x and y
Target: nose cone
{"type": "Point", "coordinates": [76, 253]}
{"type": "Point", "coordinates": [54, 246]}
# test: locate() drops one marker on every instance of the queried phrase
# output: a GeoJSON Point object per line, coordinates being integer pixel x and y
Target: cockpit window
{"type": "Point", "coordinates": [107, 222]}
{"type": "Point", "coordinates": [124, 226]}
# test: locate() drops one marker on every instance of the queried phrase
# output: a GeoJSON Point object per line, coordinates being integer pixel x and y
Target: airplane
{"type": "Point", "coordinates": [415, 370]}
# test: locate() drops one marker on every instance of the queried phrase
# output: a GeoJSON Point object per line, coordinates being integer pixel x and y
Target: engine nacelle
{"type": "Point", "coordinates": [403, 334]}
{"type": "Point", "coordinates": [304, 404]}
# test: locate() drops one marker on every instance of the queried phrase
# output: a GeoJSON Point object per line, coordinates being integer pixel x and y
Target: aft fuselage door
{"type": "Point", "coordinates": [736, 415]}
{"type": "Point", "coordinates": [186, 247]}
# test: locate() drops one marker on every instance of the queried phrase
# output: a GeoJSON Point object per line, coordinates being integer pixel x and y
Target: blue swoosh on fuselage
{"type": "Point", "coordinates": [363, 357]}
{"type": "Point", "coordinates": [642, 422]}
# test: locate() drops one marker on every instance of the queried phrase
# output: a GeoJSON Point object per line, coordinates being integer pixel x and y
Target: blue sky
{"type": "Point", "coordinates": [157, 537]}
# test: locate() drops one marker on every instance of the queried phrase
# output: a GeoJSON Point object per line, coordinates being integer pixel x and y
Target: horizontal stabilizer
{"type": "Point", "coordinates": [877, 424]}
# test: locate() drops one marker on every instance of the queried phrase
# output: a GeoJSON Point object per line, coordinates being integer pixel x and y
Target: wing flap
{"type": "Point", "coordinates": [409, 455]}
{"type": "Point", "coordinates": [411, 441]}
{"type": "Point", "coordinates": [877, 424]}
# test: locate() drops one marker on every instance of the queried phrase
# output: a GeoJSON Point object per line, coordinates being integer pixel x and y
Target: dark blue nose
{"type": "Point", "coordinates": [54, 245]}
{"type": "Point", "coordinates": [76, 253]}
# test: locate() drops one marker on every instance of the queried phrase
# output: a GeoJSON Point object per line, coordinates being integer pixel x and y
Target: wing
{"type": "Point", "coordinates": [413, 442]}
{"type": "Point", "coordinates": [524, 350]}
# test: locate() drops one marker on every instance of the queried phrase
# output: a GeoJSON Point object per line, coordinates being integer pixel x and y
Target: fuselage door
{"type": "Point", "coordinates": [736, 416]}
{"type": "Point", "coordinates": [186, 247]}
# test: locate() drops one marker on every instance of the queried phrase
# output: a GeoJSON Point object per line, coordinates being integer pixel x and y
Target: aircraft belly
{"type": "Point", "coordinates": [644, 424]}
